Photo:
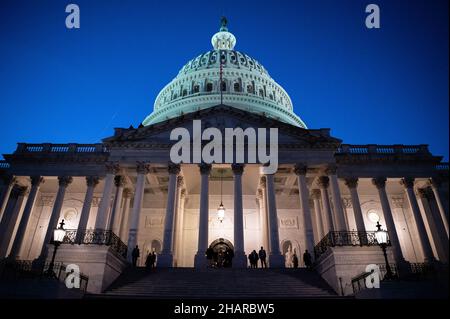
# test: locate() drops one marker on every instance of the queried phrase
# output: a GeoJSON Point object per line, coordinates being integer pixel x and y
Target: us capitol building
{"type": "Point", "coordinates": [326, 196]}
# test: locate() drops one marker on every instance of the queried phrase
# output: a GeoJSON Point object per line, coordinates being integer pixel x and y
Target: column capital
{"type": "Point", "coordinates": [379, 182]}
{"type": "Point", "coordinates": [351, 182]}
{"type": "Point", "coordinates": [142, 168]}
{"type": "Point", "coordinates": [323, 181]}
{"type": "Point", "coordinates": [407, 182]}
{"type": "Point", "coordinates": [119, 181]}
{"type": "Point", "coordinates": [22, 191]}
{"type": "Point", "coordinates": [205, 169]}
{"type": "Point", "coordinates": [173, 168]}
{"type": "Point", "coordinates": [92, 181]}
{"type": "Point", "coordinates": [331, 169]}
{"type": "Point", "coordinates": [300, 169]}
{"type": "Point", "coordinates": [262, 182]}
{"type": "Point", "coordinates": [435, 182]}
{"type": "Point", "coordinates": [238, 169]}
{"type": "Point", "coordinates": [112, 167]}
{"type": "Point", "coordinates": [315, 194]}
{"type": "Point", "coordinates": [8, 180]}
{"type": "Point", "coordinates": [64, 181]}
{"type": "Point", "coordinates": [180, 181]}
{"type": "Point", "coordinates": [37, 180]}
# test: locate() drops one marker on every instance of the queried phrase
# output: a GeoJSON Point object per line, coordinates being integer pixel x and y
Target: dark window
{"type": "Point", "coordinates": [184, 92]}
{"type": "Point", "coordinates": [249, 89]}
{"type": "Point", "coordinates": [223, 86]}
{"type": "Point", "coordinates": [237, 87]}
{"type": "Point", "coordinates": [209, 87]}
{"type": "Point", "coordinates": [261, 92]}
{"type": "Point", "coordinates": [196, 88]}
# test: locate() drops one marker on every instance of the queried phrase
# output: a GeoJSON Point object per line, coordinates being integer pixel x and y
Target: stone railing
{"type": "Point", "coordinates": [442, 166]}
{"type": "Point", "coordinates": [96, 237]}
{"type": "Point", "coordinates": [60, 148]}
{"type": "Point", "coordinates": [398, 149]}
{"type": "Point", "coordinates": [4, 164]}
{"type": "Point", "coordinates": [345, 238]}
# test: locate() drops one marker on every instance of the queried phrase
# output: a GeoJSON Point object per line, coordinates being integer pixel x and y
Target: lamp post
{"type": "Point", "coordinates": [382, 239]}
{"type": "Point", "coordinates": [221, 209]}
{"type": "Point", "coordinates": [58, 237]}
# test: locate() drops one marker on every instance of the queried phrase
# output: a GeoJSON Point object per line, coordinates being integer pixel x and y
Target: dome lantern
{"type": "Point", "coordinates": [223, 40]}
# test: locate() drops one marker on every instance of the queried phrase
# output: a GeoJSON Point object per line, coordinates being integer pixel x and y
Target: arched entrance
{"type": "Point", "coordinates": [223, 252]}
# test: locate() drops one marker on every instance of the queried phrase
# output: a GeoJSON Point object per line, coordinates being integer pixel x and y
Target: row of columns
{"type": "Point", "coordinates": [107, 218]}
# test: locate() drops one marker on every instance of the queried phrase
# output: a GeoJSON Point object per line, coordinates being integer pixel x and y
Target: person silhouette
{"type": "Point", "coordinates": [288, 257]}
{"type": "Point", "coordinates": [262, 256]}
{"type": "Point", "coordinates": [135, 255]}
{"type": "Point", "coordinates": [307, 259]}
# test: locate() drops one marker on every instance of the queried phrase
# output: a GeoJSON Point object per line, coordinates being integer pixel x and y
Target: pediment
{"type": "Point", "coordinates": [221, 117]}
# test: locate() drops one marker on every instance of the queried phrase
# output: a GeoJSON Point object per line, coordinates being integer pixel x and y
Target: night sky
{"type": "Point", "coordinates": [384, 86]}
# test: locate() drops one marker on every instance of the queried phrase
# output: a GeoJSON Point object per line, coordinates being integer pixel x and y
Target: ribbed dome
{"type": "Point", "coordinates": [246, 85]}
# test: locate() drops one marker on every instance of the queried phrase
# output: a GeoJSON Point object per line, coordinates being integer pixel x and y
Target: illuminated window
{"type": "Point", "coordinates": [373, 216]}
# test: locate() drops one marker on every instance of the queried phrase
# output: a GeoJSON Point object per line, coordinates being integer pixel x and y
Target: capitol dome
{"type": "Point", "coordinates": [246, 85]}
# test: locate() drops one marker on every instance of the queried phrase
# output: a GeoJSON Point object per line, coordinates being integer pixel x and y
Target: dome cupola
{"type": "Point", "coordinates": [245, 85]}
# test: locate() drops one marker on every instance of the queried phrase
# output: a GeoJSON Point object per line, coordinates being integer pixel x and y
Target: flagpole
{"type": "Point", "coordinates": [220, 85]}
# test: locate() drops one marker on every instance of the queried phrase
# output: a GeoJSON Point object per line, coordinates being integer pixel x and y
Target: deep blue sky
{"type": "Point", "coordinates": [383, 86]}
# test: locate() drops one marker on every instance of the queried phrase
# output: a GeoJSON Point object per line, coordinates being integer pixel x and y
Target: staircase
{"type": "Point", "coordinates": [176, 283]}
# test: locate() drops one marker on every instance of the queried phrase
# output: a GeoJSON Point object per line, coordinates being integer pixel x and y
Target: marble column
{"type": "Point", "coordinates": [240, 258]}
{"type": "Point", "coordinates": [436, 232]}
{"type": "Point", "coordinates": [323, 183]}
{"type": "Point", "coordinates": [200, 258]}
{"type": "Point", "coordinates": [380, 183]}
{"type": "Point", "coordinates": [165, 259]}
{"type": "Point", "coordinates": [180, 222]}
{"type": "Point", "coordinates": [408, 184]}
{"type": "Point", "coordinates": [318, 211]}
{"type": "Point", "coordinates": [63, 182]}
{"type": "Point", "coordinates": [276, 259]}
{"type": "Point", "coordinates": [105, 203]}
{"type": "Point", "coordinates": [337, 201]}
{"type": "Point", "coordinates": [263, 217]}
{"type": "Point", "coordinates": [91, 182]}
{"type": "Point", "coordinates": [435, 185]}
{"type": "Point", "coordinates": [9, 182]}
{"type": "Point", "coordinates": [124, 221]}
{"type": "Point", "coordinates": [142, 170]}
{"type": "Point", "coordinates": [300, 170]}
{"type": "Point", "coordinates": [12, 214]}
{"type": "Point", "coordinates": [352, 184]}
{"type": "Point", "coordinates": [114, 218]}
{"type": "Point", "coordinates": [17, 247]}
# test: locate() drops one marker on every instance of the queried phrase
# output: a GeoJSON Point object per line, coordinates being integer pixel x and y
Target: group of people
{"type": "Point", "coordinates": [220, 258]}
{"type": "Point", "coordinates": [150, 261]}
{"type": "Point", "coordinates": [254, 256]}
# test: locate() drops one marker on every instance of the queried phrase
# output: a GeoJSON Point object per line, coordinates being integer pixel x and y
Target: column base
{"type": "Point", "coordinates": [276, 261]}
{"type": "Point", "coordinates": [200, 260]}
{"type": "Point", "coordinates": [165, 260]}
{"type": "Point", "coordinates": [239, 260]}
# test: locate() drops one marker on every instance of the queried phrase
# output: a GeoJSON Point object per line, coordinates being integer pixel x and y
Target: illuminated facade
{"type": "Point", "coordinates": [325, 197]}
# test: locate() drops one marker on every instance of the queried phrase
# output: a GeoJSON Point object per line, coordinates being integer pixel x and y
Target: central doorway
{"type": "Point", "coordinates": [223, 252]}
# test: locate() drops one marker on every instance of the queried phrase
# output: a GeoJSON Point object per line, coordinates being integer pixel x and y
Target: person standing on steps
{"type": "Point", "coordinates": [295, 260]}
{"type": "Point", "coordinates": [148, 261]}
{"type": "Point", "coordinates": [210, 257]}
{"type": "Point", "coordinates": [152, 260]}
{"type": "Point", "coordinates": [262, 257]}
{"type": "Point", "coordinates": [307, 259]}
{"type": "Point", "coordinates": [135, 255]}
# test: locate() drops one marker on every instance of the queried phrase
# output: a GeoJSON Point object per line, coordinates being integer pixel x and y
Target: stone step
{"type": "Point", "coordinates": [218, 283]}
